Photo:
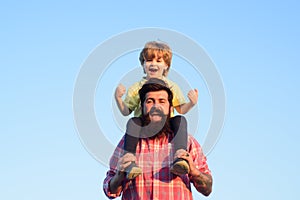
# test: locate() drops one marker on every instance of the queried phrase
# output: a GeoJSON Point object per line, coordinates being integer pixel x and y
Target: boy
{"type": "Point", "coordinates": [155, 59]}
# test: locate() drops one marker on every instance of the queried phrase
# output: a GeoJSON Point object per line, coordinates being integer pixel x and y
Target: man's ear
{"type": "Point", "coordinates": [171, 108]}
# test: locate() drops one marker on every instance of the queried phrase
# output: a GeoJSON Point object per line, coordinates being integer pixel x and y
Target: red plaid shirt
{"type": "Point", "coordinates": [154, 156]}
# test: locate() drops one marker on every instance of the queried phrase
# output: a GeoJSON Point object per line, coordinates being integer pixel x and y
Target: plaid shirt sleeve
{"type": "Point", "coordinates": [199, 158]}
{"type": "Point", "coordinates": [113, 170]}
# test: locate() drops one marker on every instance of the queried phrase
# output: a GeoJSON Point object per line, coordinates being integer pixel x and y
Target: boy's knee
{"type": "Point", "coordinates": [137, 121]}
{"type": "Point", "coordinates": [134, 121]}
{"type": "Point", "coordinates": [179, 119]}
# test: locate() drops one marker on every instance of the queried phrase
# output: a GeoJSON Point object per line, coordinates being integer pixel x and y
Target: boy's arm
{"type": "Point", "coordinates": [120, 91]}
{"type": "Point", "coordinates": [184, 108]}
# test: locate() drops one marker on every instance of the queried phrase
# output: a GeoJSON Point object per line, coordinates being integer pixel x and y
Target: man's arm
{"type": "Point", "coordinates": [115, 177]}
{"type": "Point", "coordinates": [115, 183]}
{"type": "Point", "coordinates": [202, 181]}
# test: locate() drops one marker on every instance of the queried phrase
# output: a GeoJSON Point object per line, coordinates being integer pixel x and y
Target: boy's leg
{"type": "Point", "coordinates": [132, 134]}
{"type": "Point", "coordinates": [133, 129]}
{"type": "Point", "coordinates": [179, 127]}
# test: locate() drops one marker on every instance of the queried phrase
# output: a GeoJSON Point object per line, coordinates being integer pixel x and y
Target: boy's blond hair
{"type": "Point", "coordinates": [155, 48]}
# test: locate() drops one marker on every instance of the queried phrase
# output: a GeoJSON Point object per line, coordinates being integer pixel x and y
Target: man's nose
{"type": "Point", "coordinates": [153, 105]}
{"type": "Point", "coordinates": [156, 105]}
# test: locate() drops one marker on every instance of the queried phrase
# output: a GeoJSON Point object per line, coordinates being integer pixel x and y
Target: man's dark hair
{"type": "Point", "coordinates": [153, 85]}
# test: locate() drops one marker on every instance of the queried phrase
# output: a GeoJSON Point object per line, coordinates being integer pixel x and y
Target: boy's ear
{"type": "Point", "coordinates": [143, 66]}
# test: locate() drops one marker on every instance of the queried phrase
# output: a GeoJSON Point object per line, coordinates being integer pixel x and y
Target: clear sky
{"type": "Point", "coordinates": [254, 45]}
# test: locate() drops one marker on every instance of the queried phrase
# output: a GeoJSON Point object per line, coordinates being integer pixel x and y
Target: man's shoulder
{"type": "Point", "coordinates": [191, 137]}
{"type": "Point", "coordinates": [121, 141]}
{"type": "Point", "coordinates": [192, 140]}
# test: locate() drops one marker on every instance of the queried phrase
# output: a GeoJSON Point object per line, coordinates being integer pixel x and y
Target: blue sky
{"type": "Point", "coordinates": [254, 44]}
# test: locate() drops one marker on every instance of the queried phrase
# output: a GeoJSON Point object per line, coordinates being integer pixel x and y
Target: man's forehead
{"type": "Point", "coordinates": [157, 94]}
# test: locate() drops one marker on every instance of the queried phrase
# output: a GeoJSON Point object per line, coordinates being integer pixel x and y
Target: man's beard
{"type": "Point", "coordinates": [153, 129]}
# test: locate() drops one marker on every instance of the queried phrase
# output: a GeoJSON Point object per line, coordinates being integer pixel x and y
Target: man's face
{"type": "Point", "coordinates": [157, 105]}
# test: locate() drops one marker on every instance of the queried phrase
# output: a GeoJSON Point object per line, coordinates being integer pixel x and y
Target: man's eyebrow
{"type": "Point", "coordinates": [162, 99]}
{"type": "Point", "coordinates": [150, 98]}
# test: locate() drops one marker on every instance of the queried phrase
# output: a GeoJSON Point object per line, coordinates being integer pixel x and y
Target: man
{"type": "Point", "coordinates": [154, 154]}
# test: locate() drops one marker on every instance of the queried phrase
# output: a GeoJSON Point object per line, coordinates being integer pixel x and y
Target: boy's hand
{"type": "Point", "coordinates": [193, 96]}
{"type": "Point", "coordinates": [120, 91]}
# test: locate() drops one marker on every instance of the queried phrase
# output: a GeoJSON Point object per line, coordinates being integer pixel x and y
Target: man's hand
{"type": "Point", "coordinates": [125, 161]}
{"type": "Point", "coordinates": [120, 91]}
{"type": "Point", "coordinates": [186, 156]}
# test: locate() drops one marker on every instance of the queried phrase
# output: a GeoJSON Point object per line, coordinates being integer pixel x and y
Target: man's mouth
{"type": "Point", "coordinates": [156, 112]}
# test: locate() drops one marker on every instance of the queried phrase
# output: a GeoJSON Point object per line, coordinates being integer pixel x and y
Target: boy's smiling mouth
{"type": "Point", "coordinates": [153, 69]}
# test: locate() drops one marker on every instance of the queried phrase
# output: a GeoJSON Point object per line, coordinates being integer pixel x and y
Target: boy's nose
{"type": "Point", "coordinates": [153, 62]}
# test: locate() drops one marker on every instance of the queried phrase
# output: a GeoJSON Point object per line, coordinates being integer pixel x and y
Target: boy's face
{"type": "Point", "coordinates": [155, 66]}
